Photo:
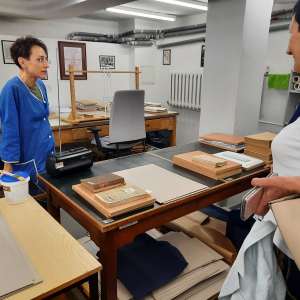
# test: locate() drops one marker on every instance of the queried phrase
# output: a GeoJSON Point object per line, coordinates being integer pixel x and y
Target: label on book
{"type": "Point", "coordinates": [129, 190]}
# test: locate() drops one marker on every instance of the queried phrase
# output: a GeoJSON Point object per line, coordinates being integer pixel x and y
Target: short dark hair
{"type": "Point", "coordinates": [297, 12]}
{"type": "Point", "coordinates": [22, 48]}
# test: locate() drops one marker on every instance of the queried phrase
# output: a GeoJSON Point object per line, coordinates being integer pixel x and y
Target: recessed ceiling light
{"type": "Point", "coordinates": [133, 12]}
{"type": "Point", "coordinates": [183, 3]}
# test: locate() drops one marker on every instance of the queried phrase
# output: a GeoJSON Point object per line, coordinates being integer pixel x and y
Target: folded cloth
{"type": "Point", "coordinates": [147, 264]}
{"type": "Point", "coordinates": [279, 81]}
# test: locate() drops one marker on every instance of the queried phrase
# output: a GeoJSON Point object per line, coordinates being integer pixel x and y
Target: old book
{"type": "Point", "coordinates": [263, 140]}
{"type": "Point", "coordinates": [121, 195]}
{"type": "Point", "coordinates": [230, 147]}
{"type": "Point", "coordinates": [111, 212]}
{"type": "Point", "coordinates": [259, 149]}
{"type": "Point", "coordinates": [185, 161]}
{"type": "Point", "coordinates": [150, 109]}
{"type": "Point", "coordinates": [86, 102]}
{"type": "Point", "coordinates": [224, 138]}
{"type": "Point", "coordinates": [103, 182]}
{"type": "Point", "coordinates": [210, 160]}
{"type": "Point", "coordinates": [264, 157]}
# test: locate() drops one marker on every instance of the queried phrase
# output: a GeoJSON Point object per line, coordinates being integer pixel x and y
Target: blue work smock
{"type": "Point", "coordinates": [27, 139]}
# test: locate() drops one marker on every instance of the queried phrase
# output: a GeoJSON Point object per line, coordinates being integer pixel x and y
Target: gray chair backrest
{"type": "Point", "coordinates": [127, 121]}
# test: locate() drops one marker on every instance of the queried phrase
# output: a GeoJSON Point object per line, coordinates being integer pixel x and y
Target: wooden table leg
{"type": "Point", "coordinates": [52, 210]}
{"type": "Point", "coordinates": [108, 259]}
{"type": "Point", "coordinates": [173, 133]}
{"type": "Point", "coordinates": [93, 285]}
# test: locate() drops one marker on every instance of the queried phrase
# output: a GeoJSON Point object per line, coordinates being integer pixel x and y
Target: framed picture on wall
{"type": "Point", "coordinates": [202, 56]}
{"type": "Point", "coordinates": [167, 57]}
{"type": "Point", "coordinates": [6, 51]}
{"type": "Point", "coordinates": [107, 62]}
{"type": "Point", "coordinates": [72, 54]}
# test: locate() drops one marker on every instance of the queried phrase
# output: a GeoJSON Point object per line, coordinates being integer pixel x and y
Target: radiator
{"type": "Point", "coordinates": [185, 89]}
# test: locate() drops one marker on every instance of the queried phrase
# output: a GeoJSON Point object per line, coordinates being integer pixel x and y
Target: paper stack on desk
{"type": "Point", "coordinates": [86, 105]}
{"type": "Point", "coordinates": [186, 161]}
{"type": "Point", "coordinates": [259, 146]}
{"type": "Point", "coordinates": [152, 109]}
{"type": "Point", "coordinates": [230, 142]}
{"type": "Point", "coordinates": [17, 272]}
{"type": "Point", "coordinates": [248, 162]}
{"type": "Point", "coordinates": [164, 185]}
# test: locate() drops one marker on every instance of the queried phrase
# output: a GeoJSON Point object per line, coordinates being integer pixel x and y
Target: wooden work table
{"type": "Point", "coordinates": [78, 132]}
{"type": "Point", "coordinates": [123, 229]}
{"type": "Point", "coordinates": [59, 258]}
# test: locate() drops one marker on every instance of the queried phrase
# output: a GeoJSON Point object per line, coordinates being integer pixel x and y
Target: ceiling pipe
{"type": "Point", "coordinates": [140, 43]}
{"type": "Point", "coordinates": [173, 34]}
{"type": "Point", "coordinates": [282, 12]}
{"type": "Point", "coordinates": [181, 43]}
{"type": "Point", "coordinates": [190, 27]}
{"type": "Point", "coordinates": [280, 27]}
{"type": "Point", "coordinates": [87, 34]}
{"type": "Point", "coordinates": [135, 31]}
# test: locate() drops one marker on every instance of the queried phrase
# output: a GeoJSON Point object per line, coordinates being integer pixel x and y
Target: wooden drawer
{"type": "Point", "coordinates": [158, 124]}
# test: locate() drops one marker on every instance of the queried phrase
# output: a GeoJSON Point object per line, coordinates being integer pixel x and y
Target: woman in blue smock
{"type": "Point", "coordinates": [27, 139]}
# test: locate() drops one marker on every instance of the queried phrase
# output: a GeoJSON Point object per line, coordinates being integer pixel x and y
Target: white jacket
{"type": "Point", "coordinates": [255, 275]}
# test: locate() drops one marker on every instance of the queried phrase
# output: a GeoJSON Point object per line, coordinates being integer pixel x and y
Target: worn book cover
{"type": "Point", "coordinates": [121, 195]}
{"type": "Point", "coordinates": [102, 182]}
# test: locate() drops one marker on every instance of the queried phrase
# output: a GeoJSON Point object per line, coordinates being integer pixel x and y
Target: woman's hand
{"type": "Point", "coordinates": [8, 168]}
{"type": "Point", "coordinates": [275, 188]}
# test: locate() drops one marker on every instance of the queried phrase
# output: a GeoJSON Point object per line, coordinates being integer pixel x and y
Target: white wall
{"type": "Point", "coordinates": [183, 57]}
{"type": "Point", "coordinates": [53, 31]}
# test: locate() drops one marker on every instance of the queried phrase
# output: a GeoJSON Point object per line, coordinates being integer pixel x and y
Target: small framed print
{"type": "Point", "coordinates": [6, 52]}
{"type": "Point", "coordinates": [71, 53]}
{"type": "Point", "coordinates": [167, 57]}
{"type": "Point", "coordinates": [107, 62]}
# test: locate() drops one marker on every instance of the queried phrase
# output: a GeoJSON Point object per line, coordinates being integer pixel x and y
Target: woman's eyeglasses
{"type": "Point", "coordinates": [41, 60]}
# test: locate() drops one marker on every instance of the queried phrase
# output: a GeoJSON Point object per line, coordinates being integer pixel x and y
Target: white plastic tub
{"type": "Point", "coordinates": [15, 191]}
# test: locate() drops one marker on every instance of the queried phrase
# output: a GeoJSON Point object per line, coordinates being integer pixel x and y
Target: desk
{"type": "Point", "coordinates": [110, 237]}
{"type": "Point", "coordinates": [78, 132]}
{"type": "Point", "coordinates": [59, 258]}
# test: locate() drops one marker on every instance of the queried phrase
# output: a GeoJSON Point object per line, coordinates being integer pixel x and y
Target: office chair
{"type": "Point", "coordinates": [126, 125]}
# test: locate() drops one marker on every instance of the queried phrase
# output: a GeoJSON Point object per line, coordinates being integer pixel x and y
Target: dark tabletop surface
{"type": "Point", "coordinates": [168, 153]}
{"type": "Point", "coordinates": [64, 184]}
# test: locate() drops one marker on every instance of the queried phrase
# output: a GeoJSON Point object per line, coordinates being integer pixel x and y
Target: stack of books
{"type": "Point", "coordinates": [154, 109]}
{"type": "Point", "coordinates": [209, 160]}
{"type": "Point", "coordinates": [86, 105]}
{"type": "Point", "coordinates": [186, 161]}
{"type": "Point", "coordinates": [111, 196]}
{"type": "Point", "coordinates": [230, 142]}
{"type": "Point", "coordinates": [259, 146]}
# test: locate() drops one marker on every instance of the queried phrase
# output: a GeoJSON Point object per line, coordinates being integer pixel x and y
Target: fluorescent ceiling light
{"type": "Point", "coordinates": [182, 3]}
{"type": "Point", "coordinates": [133, 12]}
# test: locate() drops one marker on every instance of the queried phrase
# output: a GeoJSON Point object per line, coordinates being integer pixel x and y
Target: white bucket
{"type": "Point", "coordinates": [15, 191]}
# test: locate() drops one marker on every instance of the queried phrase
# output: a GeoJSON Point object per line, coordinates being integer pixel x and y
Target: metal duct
{"type": "Point", "coordinates": [172, 34]}
{"type": "Point", "coordinates": [190, 27]}
{"type": "Point", "coordinates": [281, 12]}
{"type": "Point", "coordinates": [140, 43]}
{"type": "Point", "coordinates": [181, 43]}
{"type": "Point", "coordinates": [91, 39]}
{"type": "Point", "coordinates": [280, 18]}
{"type": "Point", "coordinates": [281, 27]}
{"type": "Point", "coordinates": [135, 31]}
{"type": "Point", "coordinates": [86, 34]}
